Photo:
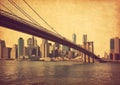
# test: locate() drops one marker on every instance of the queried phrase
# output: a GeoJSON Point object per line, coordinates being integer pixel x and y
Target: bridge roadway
{"type": "Point", "coordinates": [14, 22]}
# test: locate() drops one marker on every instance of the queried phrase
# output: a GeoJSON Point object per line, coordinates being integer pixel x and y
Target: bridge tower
{"type": "Point", "coordinates": [90, 47]}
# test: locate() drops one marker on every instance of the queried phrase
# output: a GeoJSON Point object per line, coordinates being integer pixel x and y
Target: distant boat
{"type": "Point", "coordinates": [34, 58]}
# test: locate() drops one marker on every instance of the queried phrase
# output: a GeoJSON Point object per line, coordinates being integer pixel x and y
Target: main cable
{"type": "Point", "coordinates": [41, 18]}
{"type": "Point", "coordinates": [24, 13]}
{"type": "Point", "coordinates": [7, 8]}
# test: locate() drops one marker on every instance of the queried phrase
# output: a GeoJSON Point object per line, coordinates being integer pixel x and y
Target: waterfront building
{"type": "Point", "coordinates": [20, 47]}
{"type": "Point", "coordinates": [6, 52]}
{"type": "Point", "coordinates": [56, 48]}
{"type": "Point", "coordinates": [14, 52]}
{"type": "Point", "coordinates": [2, 45]}
{"type": "Point", "coordinates": [25, 52]}
{"type": "Point", "coordinates": [44, 48]}
{"type": "Point", "coordinates": [65, 48]}
{"type": "Point", "coordinates": [50, 49]}
{"type": "Point", "coordinates": [33, 50]}
{"type": "Point", "coordinates": [115, 48]}
{"type": "Point", "coordinates": [71, 54]}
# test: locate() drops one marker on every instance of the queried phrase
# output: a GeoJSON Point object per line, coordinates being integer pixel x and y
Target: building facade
{"type": "Point", "coordinates": [74, 38]}
{"type": "Point", "coordinates": [115, 48]}
{"type": "Point", "coordinates": [20, 47]}
{"type": "Point", "coordinates": [6, 53]}
{"type": "Point", "coordinates": [14, 52]}
{"type": "Point", "coordinates": [33, 50]}
{"type": "Point", "coordinates": [2, 45]}
{"type": "Point", "coordinates": [44, 48]}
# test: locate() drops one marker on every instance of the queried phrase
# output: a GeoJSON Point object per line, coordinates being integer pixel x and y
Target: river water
{"type": "Point", "coordinates": [58, 73]}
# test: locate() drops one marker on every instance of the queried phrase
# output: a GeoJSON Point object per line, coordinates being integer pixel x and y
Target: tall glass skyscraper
{"type": "Point", "coordinates": [84, 38]}
{"type": "Point", "coordinates": [74, 38]}
{"type": "Point", "coordinates": [20, 47]}
{"type": "Point", "coordinates": [115, 48]}
{"type": "Point", "coordinates": [44, 48]}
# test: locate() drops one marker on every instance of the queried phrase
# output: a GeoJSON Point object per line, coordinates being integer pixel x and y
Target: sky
{"type": "Point", "coordinates": [99, 19]}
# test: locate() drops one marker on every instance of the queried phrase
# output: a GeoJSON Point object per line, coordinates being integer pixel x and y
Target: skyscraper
{"type": "Point", "coordinates": [74, 41]}
{"type": "Point", "coordinates": [20, 47]}
{"type": "Point", "coordinates": [111, 45]}
{"type": "Point", "coordinates": [84, 38]}
{"type": "Point", "coordinates": [14, 52]}
{"type": "Point", "coordinates": [6, 52]}
{"type": "Point", "coordinates": [65, 48]}
{"type": "Point", "coordinates": [33, 49]}
{"type": "Point", "coordinates": [25, 52]}
{"type": "Point", "coordinates": [74, 38]}
{"type": "Point", "coordinates": [119, 45]}
{"type": "Point", "coordinates": [44, 48]}
{"type": "Point", "coordinates": [50, 49]}
{"type": "Point", "coordinates": [2, 45]}
{"type": "Point", "coordinates": [56, 49]}
{"type": "Point", "coordinates": [115, 48]}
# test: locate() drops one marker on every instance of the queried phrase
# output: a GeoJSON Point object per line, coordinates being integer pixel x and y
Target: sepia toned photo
{"type": "Point", "coordinates": [59, 42]}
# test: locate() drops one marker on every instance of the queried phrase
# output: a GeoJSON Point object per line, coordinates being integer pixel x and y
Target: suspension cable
{"type": "Point", "coordinates": [24, 13]}
{"type": "Point", "coordinates": [7, 8]}
{"type": "Point", "coordinates": [41, 18]}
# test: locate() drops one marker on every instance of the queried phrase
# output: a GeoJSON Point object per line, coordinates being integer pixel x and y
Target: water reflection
{"type": "Point", "coordinates": [58, 73]}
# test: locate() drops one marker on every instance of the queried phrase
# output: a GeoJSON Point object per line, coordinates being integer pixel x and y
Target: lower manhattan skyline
{"type": "Point", "coordinates": [59, 42]}
{"type": "Point", "coordinates": [98, 19]}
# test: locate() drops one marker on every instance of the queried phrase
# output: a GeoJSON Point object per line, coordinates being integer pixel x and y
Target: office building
{"type": "Point", "coordinates": [70, 54]}
{"type": "Point", "coordinates": [44, 48]}
{"type": "Point", "coordinates": [115, 48]}
{"type": "Point", "coordinates": [2, 45]}
{"type": "Point", "coordinates": [50, 49]}
{"type": "Point", "coordinates": [65, 48]}
{"type": "Point", "coordinates": [56, 48]}
{"type": "Point", "coordinates": [20, 47]}
{"type": "Point", "coordinates": [74, 38]}
{"type": "Point", "coordinates": [33, 50]}
{"type": "Point", "coordinates": [84, 38]}
{"type": "Point", "coordinates": [14, 52]}
{"type": "Point", "coordinates": [6, 52]}
{"type": "Point", "coordinates": [25, 52]}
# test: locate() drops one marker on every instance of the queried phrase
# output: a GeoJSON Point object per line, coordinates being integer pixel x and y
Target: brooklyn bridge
{"type": "Point", "coordinates": [17, 23]}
